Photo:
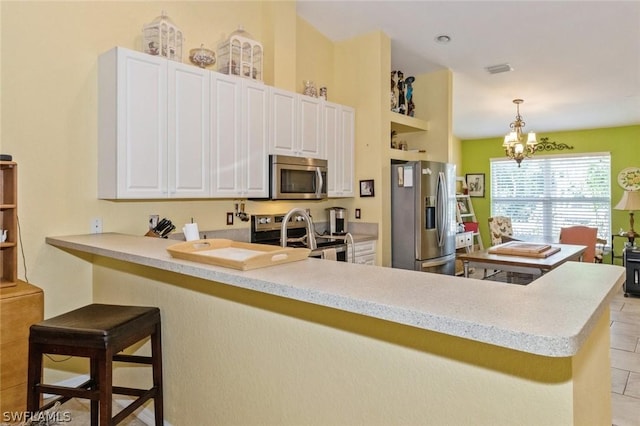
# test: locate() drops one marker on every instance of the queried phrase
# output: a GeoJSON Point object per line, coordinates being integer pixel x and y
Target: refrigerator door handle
{"type": "Point", "coordinates": [441, 215]}
{"type": "Point", "coordinates": [437, 262]}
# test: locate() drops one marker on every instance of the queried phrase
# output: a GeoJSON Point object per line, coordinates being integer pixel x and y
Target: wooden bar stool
{"type": "Point", "coordinates": [98, 332]}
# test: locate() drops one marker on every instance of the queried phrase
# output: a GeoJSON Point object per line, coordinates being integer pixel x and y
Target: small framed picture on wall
{"type": "Point", "coordinates": [366, 188]}
{"type": "Point", "coordinates": [475, 184]}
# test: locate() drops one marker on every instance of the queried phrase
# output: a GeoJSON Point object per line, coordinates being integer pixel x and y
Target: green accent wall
{"type": "Point", "coordinates": [622, 142]}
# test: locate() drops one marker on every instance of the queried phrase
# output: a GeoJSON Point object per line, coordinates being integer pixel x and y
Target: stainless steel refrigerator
{"type": "Point", "coordinates": [423, 219]}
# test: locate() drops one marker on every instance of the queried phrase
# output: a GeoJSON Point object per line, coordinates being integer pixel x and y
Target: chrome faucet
{"type": "Point", "coordinates": [311, 233]}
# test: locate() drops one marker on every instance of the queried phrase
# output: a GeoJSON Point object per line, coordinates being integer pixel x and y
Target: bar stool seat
{"type": "Point", "coordinates": [98, 332]}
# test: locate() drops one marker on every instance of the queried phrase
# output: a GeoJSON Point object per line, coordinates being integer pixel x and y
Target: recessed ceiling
{"type": "Point", "coordinates": [576, 64]}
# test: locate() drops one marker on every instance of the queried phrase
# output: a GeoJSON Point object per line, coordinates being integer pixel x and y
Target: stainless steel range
{"type": "Point", "coordinates": [267, 229]}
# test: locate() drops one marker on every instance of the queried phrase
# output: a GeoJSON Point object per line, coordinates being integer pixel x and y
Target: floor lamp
{"type": "Point", "coordinates": [630, 201]}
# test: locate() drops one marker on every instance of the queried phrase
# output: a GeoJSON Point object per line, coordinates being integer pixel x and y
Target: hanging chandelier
{"type": "Point", "coordinates": [514, 145]}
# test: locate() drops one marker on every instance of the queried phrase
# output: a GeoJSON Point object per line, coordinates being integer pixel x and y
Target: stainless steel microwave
{"type": "Point", "coordinates": [297, 178]}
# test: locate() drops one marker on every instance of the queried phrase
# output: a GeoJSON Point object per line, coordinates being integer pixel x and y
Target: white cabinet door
{"type": "Point", "coordinates": [153, 127]}
{"type": "Point", "coordinates": [331, 117]}
{"type": "Point", "coordinates": [188, 131]}
{"type": "Point", "coordinates": [255, 139]}
{"type": "Point", "coordinates": [295, 125]}
{"type": "Point", "coordinates": [365, 252]}
{"type": "Point", "coordinates": [346, 151]}
{"type": "Point", "coordinates": [132, 135]}
{"type": "Point", "coordinates": [282, 123]}
{"type": "Point", "coordinates": [239, 137]}
{"type": "Point", "coordinates": [339, 140]}
{"type": "Point", "coordinates": [309, 125]}
{"type": "Point", "coordinates": [225, 135]}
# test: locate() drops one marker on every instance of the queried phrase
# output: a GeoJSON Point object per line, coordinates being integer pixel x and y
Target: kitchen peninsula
{"type": "Point", "coordinates": [319, 342]}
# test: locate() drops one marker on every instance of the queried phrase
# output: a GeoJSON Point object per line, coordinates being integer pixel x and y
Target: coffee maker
{"type": "Point", "coordinates": [337, 220]}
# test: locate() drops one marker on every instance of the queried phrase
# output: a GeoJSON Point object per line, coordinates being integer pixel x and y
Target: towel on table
{"type": "Point", "coordinates": [329, 254]}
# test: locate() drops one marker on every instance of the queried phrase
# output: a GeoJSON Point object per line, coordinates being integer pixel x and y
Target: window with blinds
{"type": "Point", "coordinates": [548, 193]}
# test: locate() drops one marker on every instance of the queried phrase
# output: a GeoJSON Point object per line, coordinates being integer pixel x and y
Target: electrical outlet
{"type": "Point", "coordinates": [358, 213]}
{"type": "Point", "coordinates": [229, 218]}
{"type": "Point", "coordinates": [96, 225]}
{"type": "Point", "coordinates": [153, 220]}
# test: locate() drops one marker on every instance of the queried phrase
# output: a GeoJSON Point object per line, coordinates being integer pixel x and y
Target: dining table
{"type": "Point", "coordinates": [525, 264]}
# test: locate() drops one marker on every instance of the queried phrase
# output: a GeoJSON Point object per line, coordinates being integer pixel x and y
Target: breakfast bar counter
{"type": "Point", "coordinates": [321, 342]}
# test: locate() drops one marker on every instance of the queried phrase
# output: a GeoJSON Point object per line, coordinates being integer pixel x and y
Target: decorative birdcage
{"type": "Point", "coordinates": [241, 55]}
{"type": "Point", "coordinates": [162, 37]}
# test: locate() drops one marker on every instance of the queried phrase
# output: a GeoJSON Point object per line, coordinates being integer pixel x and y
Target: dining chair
{"type": "Point", "coordinates": [501, 231]}
{"type": "Point", "coordinates": [585, 236]}
{"type": "Point", "coordinates": [499, 227]}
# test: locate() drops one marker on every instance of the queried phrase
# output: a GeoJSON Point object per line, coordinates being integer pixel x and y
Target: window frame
{"type": "Point", "coordinates": [543, 204]}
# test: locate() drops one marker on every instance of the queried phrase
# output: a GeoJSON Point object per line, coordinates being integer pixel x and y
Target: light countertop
{"type": "Point", "coordinates": [552, 316]}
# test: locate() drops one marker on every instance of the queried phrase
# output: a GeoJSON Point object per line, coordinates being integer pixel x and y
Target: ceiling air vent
{"type": "Point", "coordinates": [496, 69]}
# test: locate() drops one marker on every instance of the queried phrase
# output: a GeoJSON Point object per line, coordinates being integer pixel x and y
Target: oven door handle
{"type": "Point", "coordinates": [319, 182]}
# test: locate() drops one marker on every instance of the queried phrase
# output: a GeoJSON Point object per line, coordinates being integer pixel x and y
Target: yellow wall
{"type": "Point", "coordinates": [315, 60]}
{"type": "Point", "coordinates": [49, 117]}
{"type": "Point", "coordinates": [433, 92]}
{"type": "Point", "coordinates": [234, 356]}
{"type": "Point", "coordinates": [359, 63]}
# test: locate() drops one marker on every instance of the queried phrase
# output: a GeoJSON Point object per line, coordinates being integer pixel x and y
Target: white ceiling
{"type": "Point", "coordinates": [576, 63]}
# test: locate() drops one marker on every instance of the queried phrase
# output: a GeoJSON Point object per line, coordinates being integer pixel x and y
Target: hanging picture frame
{"type": "Point", "coordinates": [366, 188]}
{"type": "Point", "coordinates": [475, 184]}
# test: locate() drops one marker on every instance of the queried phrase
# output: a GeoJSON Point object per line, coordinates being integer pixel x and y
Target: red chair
{"type": "Point", "coordinates": [583, 236]}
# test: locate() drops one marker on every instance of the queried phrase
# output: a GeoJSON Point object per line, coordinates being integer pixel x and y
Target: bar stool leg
{"type": "Point", "coordinates": [34, 378]}
{"type": "Point", "coordinates": [105, 384]}
{"type": "Point", "coordinates": [156, 353]}
{"type": "Point", "coordinates": [94, 385]}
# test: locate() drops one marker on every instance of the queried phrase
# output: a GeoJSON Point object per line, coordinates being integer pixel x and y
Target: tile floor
{"type": "Point", "coordinates": [625, 353]}
{"type": "Point", "coordinates": [625, 360]}
{"type": "Point", "coordinates": [625, 365]}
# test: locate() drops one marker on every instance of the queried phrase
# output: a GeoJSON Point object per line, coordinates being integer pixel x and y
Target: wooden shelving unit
{"type": "Point", "coordinates": [9, 222]}
{"type": "Point", "coordinates": [21, 304]}
{"type": "Point", "coordinates": [465, 213]}
{"type": "Point", "coordinates": [406, 125]}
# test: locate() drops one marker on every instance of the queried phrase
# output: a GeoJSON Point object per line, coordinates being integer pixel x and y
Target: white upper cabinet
{"type": "Point", "coordinates": [295, 125]}
{"type": "Point", "coordinates": [153, 127]}
{"type": "Point", "coordinates": [188, 131]}
{"type": "Point", "coordinates": [173, 130]}
{"type": "Point", "coordinates": [225, 135]}
{"type": "Point", "coordinates": [282, 122]}
{"type": "Point", "coordinates": [255, 139]}
{"type": "Point", "coordinates": [132, 132]}
{"type": "Point", "coordinates": [239, 137]}
{"type": "Point", "coordinates": [310, 127]}
{"type": "Point", "coordinates": [338, 133]}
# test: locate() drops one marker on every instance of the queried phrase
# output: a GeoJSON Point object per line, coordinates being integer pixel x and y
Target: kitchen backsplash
{"type": "Point", "coordinates": [357, 228]}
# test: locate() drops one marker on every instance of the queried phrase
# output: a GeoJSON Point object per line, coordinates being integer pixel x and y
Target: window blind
{"type": "Point", "coordinates": [550, 192]}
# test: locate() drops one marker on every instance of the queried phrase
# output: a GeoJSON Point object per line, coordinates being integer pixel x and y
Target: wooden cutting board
{"type": "Point", "coordinates": [519, 248]}
{"type": "Point", "coordinates": [236, 254]}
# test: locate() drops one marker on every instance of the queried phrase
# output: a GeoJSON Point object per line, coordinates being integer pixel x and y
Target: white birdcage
{"type": "Point", "coordinates": [163, 38]}
{"type": "Point", "coordinates": [240, 55]}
